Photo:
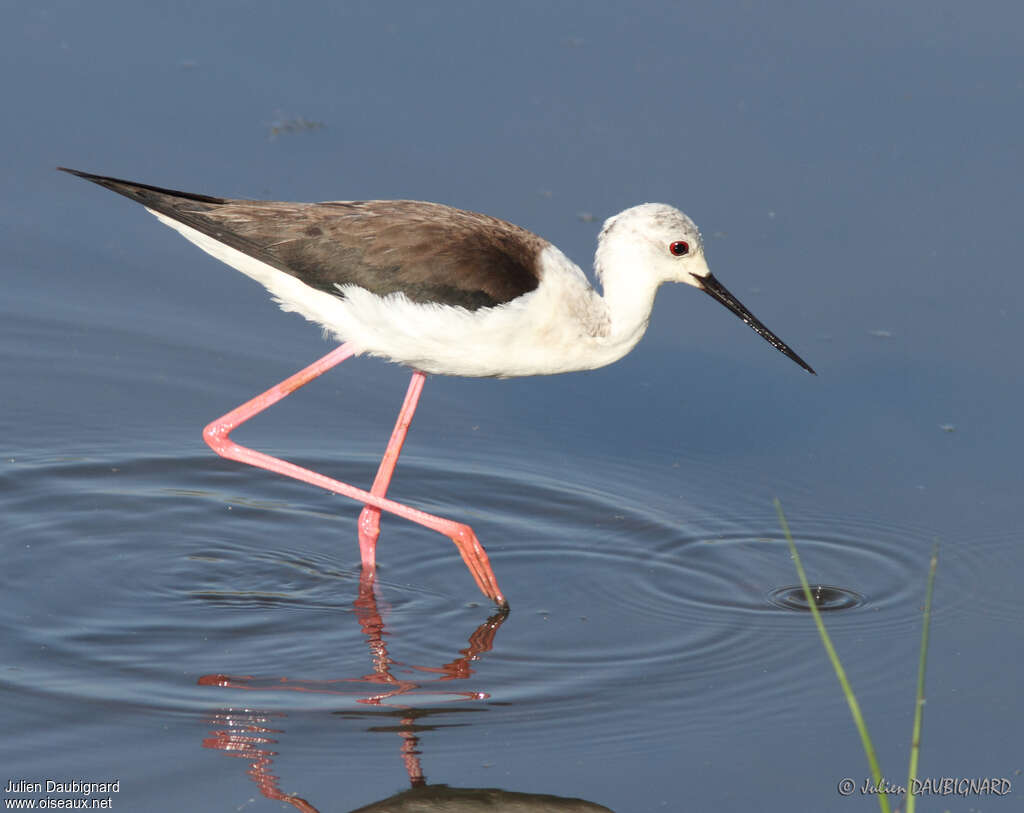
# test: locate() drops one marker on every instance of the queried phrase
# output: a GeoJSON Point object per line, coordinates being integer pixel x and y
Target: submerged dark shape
{"type": "Point", "coordinates": [443, 799]}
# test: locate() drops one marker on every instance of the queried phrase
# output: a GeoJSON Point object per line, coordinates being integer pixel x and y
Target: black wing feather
{"type": "Point", "coordinates": [427, 251]}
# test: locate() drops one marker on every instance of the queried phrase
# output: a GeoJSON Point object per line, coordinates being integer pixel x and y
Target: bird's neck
{"type": "Point", "coordinates": [628, 299]}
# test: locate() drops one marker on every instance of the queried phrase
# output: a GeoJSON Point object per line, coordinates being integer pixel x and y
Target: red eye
{"type": "Point", "coordinates": [679, 248]}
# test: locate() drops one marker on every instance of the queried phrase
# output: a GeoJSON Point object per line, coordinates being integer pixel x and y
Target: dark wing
{"type": "Point", "coordinates": [427, 251]}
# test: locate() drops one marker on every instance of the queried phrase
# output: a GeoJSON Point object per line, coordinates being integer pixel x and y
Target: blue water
{"type": "Point", "coordinates": [197, 630]}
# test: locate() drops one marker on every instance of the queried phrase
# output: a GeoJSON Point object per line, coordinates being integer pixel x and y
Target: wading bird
{"type": "Point", "coordinates": [440, 290]}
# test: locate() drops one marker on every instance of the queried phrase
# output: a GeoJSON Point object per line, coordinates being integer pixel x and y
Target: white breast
{"type": "Point", "coordinates": [560, 326]}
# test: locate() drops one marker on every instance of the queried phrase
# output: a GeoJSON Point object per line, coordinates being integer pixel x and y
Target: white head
{"type": "Point", "coordinates": [659, 241]}
{"type": "Point", "coordinates": [652, 243]}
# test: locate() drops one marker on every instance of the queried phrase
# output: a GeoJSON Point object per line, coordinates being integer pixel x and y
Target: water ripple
{"type": "Point", "coordinates": [141, 578]}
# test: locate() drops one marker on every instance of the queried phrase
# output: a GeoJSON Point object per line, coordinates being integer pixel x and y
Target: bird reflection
{"type": "Point", "coordinates": [251, 734]}
{"type": "Point", "coordinates": [247, 734]}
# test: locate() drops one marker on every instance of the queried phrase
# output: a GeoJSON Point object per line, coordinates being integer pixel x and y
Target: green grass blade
{"type": "Point", "coordinates": [851, 699]}
{"type": "Point", "coordinates": [915, 743]}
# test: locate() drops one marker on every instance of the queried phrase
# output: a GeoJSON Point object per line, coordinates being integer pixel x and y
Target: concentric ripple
{"type": "Point", "coordinates": [824, 597]}
{"type": "Point", "coordinates": [174, 583]}
{"type": "Point", "coordinates": [612, 588]}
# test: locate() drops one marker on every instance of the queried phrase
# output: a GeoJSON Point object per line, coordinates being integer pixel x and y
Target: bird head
{"type": "Point", "coordinates": [663, 244]}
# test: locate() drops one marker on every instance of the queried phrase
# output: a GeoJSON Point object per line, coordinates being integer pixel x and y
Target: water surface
{"type": "Point", "coordinates": [198, 629]}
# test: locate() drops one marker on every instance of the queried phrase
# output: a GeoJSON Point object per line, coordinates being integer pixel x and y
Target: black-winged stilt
{"type": "Point", "coordinates": [440, 290]}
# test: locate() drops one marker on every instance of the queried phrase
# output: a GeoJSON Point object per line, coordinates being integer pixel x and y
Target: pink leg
{"type": "Point", "coordinates": [217, 435]}
{"type": "Point", "coordinates": [369, 517]}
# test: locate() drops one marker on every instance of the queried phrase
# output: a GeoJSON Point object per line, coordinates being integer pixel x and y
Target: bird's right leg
{"type": "Point", "coordinates": [217, 436]}
{"type": "Point", "coordinates": [369, 517]}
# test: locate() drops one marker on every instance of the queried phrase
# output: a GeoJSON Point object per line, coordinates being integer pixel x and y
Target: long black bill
{"type": "Point", "coordinates": [715, 289]}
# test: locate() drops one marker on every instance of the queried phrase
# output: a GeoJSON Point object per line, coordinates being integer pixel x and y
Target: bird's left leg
{"type": "Point", "coordinates": [369, 517]}
{"type": "Point", "coordinates": [218, 437]}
